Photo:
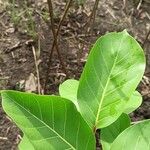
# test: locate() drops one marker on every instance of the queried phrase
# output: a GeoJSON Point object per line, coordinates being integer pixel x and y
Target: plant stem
{"type": "Point", "coordinates": [89, 23]}
{"type": "Point", "coordinates": [55, 44]}
{"type": "Point", "coordinates": [97, 137]}
{"type": "Point", "coordinates": [92, 16]}
{"type": "Point", "coordinates": [55, 35]}
{"type": "Point", "coordinates": [51, 14]}
{"type": "Point", "coordinates": [63, 16]}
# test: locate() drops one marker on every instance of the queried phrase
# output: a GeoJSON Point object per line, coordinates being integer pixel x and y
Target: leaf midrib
{"type": "Point", "coordinates": [105, 88]}
{"type": "Point", "coordinates": [103, 94]}
{"type": "Point", "coordinates": [44, 124]}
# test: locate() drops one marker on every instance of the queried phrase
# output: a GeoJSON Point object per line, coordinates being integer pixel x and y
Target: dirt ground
{"type": "Point", "coordinates": [26, 25]}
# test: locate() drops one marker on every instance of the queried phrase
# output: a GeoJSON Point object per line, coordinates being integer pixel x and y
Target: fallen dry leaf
{"type": "Point", "coordinates": [31, 84]}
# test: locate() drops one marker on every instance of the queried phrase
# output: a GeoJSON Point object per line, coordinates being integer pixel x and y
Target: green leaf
{"type": "Point", "coordinates": [110, 133]}
{"type": "Point", "coordinates": [113, 70]}
{"type": "Point", "coordinates": [136, 137]}
{"type": "Point", "coordinates": [134, 102]}
{"type": "Point", "coordinates": [25, 143]}
{"type": "Point", "coordinates": [68, 90]}
{"type": "Point", "coordinates": [48, 122]}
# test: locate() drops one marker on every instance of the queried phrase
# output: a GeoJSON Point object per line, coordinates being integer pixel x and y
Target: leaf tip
{"type": "Point", "coordinates": [125, 32]}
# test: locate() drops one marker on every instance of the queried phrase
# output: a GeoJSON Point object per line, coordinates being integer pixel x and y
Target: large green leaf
{"type": "Point", "coordinates": [110, 133]}
{"type": "Point", "coordinates": [136, 137]}
{"type": "Point", "coordinates": [68, 90]}
{"type": "Point", "coordinates": [134, 102]}
{"type": "Point", "coordinates": [25, 143]}
{"type": "Point", "coordinates": [113, 70]}
{"type": "Point", "coordinates": [48, 122]}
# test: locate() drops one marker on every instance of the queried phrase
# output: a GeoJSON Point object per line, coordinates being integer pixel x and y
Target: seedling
{"type": "Point", "coordinates": [15, 14]}
{"type": "Point", "coordinates": [101, 99]}
{"type": "Point", "coordinates": [23, 16]}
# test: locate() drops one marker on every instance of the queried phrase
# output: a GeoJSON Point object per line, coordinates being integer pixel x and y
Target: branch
{"type": "Point", "coordinates": [88, 24]}
{"type": "Point", "coordinates": [51, 14]}
{"type": "Point", "coordinates": [55, 35]}
{"type": "Point", "coordinates": [92, 15]}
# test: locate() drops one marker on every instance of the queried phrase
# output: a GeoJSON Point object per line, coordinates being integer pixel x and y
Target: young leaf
{"type": "Point", "coordinates": [68, 90]}
{"type": "Point", "coordinates": [136, 137]}
{"type": "Point", "coordinates": [113, 70]}
{"type": "Point", "coordinates": [48, 122]}
{"type": "Point", "coordinates": [110, 133]}
{"type": "Point", "coordinates": [133, 103]}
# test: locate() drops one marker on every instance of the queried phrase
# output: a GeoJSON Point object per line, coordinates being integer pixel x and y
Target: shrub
{"type": "Point", "coordinates": [101, 99]}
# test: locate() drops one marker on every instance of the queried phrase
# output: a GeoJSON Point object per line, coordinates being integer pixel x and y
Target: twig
{"type": "Point", "coordinates": [37, 70]}
{"type": "Point", "coordinates": [139, 5]}
{"type": "Point", "coordinates": [3, 138]}
{"type": "Point", "coordinates": [88, 24]}
{"type": "Point", "coordinates": [124, 4]}
{"type": "Point", "coordinates": [146, 38]}
{"type": "Point", "coordinates": [92, 15]}
{"type": "Point", "coordinates": [4, 78]}
{"type": "Point", "coordinates": [50, 6]}
{"type": "Point", "coordinates": [14, 47]}
{"type": "Point", "coordinates": [55, 44]}
{"type": "Point", "coordinates": [63, 16]}
{"type": "Point", "coordinates": [55, 35]}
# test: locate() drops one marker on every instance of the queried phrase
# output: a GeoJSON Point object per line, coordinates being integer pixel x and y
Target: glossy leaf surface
{"type": "Point", "coordinates": [48, 122]}
{"type": "Point", "coordinates": [25, 143]}
{"type": "Point", "coordinates": [136, 137]}
{"type": "Point", "coordinates": [113, 70]}
{"type": "Point", "coordinates": [110, 133]}
{"type": "Point", "coordinates": [134, 102]}
{"type": "Point", "coordinates": [68, 90]}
